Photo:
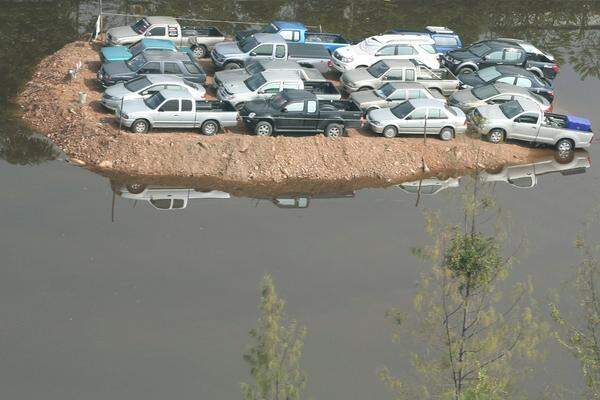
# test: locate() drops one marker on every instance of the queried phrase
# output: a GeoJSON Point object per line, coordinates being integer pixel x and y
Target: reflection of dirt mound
{"type": "Point", "coordinates": [91, 135]}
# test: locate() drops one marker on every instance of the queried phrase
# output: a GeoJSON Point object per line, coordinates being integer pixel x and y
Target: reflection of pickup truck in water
{"type": "Point", "coordinates": [300, 111]}
{"type": "Point", "coordinates": [199, 39]}
{"type": "Point", "coordinates": [166, 198]}
{"type": "Point", "coordinates": [297, 32]}
{"type": "Point", "coordinates": [268, 46]}
{"type": "Point", "coordinates": [429, 186]}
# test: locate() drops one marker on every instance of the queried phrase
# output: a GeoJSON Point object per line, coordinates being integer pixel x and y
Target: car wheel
{"type": "Point", "coordinates": [466, 70]}
{"type": "Point", "coordinates": [564, 145]}
{"type": "Point", "coordinates": [135, 188]}
{"type": "Point", "coordinates": [263, 128]}
{"type": "Point", "coordinates": [496, 136]}
{"type": "Point", "coordinates": [140, 126]}
{"type": "Point", "coordinates": [447, 133]}
{"type": "Point", "coordinates": [390, 132]}
{"type": "Point", "coordinates": [564, 157]}
{"type": "Point", "coordinates": [334, 130]}
{"type": "Point", "coordinates": [232, 65]}
{"type": "Point", "coordinates": [210, 128]}
{"type": "Point", "coordinates": [199, 51]}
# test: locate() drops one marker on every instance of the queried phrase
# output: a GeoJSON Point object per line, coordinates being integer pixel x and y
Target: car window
{"type": "Point", "coordinates": [528, 118]}
{"type": "Point", "coordinates": [524, 82]}
{"type": "Point", "coordinates": [186, 105]}
{"type": "Point", "coordinates": [280, 51]}
{"type": "Point", "coordinates": [173, 32]}
{"type": "Point", "coordinates": [522, 182]}
{"type": "Point", "coordinates": [445, 41]}
{"type": "Point", "coordinates": [172, 68]}
{"type": "Point", "coordinates": [171, 105]}
{"type": "Point", "coordinates": [418, 114]}
{"type": "Point", "coordinates": [272, 87]}
{"type": "Point", "coordinates": [409, 75]}
{"type": "Point", "coordinates": [311, 106]}
{"type": "Point", "coordinates": [264, 50]}
{"type": "Point", "coordinates": [436, 113]}
{"type": "Point", "coordinates": [428, 48]}
{"type": "Point", "coordinates": [158, 31]}
{"type": "Point", "coordinates": [178, 203]}
{"type": "Point", "coordinates": [387, 51]}
{"type": "Point", "coordinates": [287, 35]}
{"type": "Point", "coordinates": [512, 55]}
{"type": "Point", "coordinates": [150, 68]}
{"type": "Point", "coordinates": [507, 79]}
{"type": "Point", "coordinates": [191, 67]}
{"type": "Point", "coordinates": [294, 107]}
{"type": "Point", "coordinates": [404, 50]}
{"type": "Point", "coordinates": [495, 56]}
{"type": "Point", "coordinates": [162, 204]}
{"type": "Point", "coordinates": [393, 75]}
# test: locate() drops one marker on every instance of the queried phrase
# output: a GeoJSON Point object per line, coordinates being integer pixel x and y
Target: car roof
{"type": "Point", "coordinates": [396, 63]}
{"type": "Point", "coordinates": [276, 75]}
{"type": "Point", "coordinates": [528, 105]}
{"type": "Point", "coordinates": [162, 20]}
{"type": "Point", "coordinates": [295, 94]}
{"type": "Point", "coordinates": [417, 103]}
{"type": "Point", "coordinates": [406, 85]}
{"type": "Point", "coordinates": [279, 64]}
{"type": "Point", "coordinates": [508, 88]}
{"type": "Point", "coordinates": [157, 55]}
{"type": "Point", "coordinates": [158, 43]}
{"type": "Point", "coordinates": [269, 38]}
{"type": "Point", "coordinates": [422, 38]}
{"type": "Point", "coordinates": [289, 24]}
{"type": "Point", "coordinates": [528, 47]}
{"type": "Point", "coordinates": [176, 94]}
{"type": "Point", "coordinates": [513, 70]}
{"type": "Point", "coordinates": [160, 78]}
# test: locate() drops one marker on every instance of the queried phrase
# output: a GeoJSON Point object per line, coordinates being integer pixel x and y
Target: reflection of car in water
{"type": "Point", "coordinates": [304, 201]}
{"type": "Point", "coordinates": [430, 186]}
{"type": "Point", "coordinates": [167, 198]}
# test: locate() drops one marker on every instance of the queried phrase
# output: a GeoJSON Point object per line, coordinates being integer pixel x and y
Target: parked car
{"type": "Point", "coordinates": [265, 84]}
{"type": "Point", "coordinates": [152, 62]}
{"type": "Point", "coordinates": [296, 32]}
{"type": "Point", "coordinates": [236, 75]}
{"type": "Point", "coordinates": [429, 186]}
{"type": "Point", "coordinates": [300, 111]}
{"type": "Point", "coordinates": [165, 197]}
{"type": "Point", "coordinates": [199, 39]}
{"type": "Point", "coordinates": [513, 76]}
{"type": "Point", "coordinates": [375, 48]}
{"type": "Point", "coordinates": [415, 117]}
{"type": "Point", "coordinates": [268, 46]}
{"type": "Point", "coordinates": [145, 86]}
{"type": "Point", "coordinates": [385, 71]}
{"type": "Point", "coordinates": [495, 93]}
{"type": "Point", "coordinates": [445, 39]}
{"type": "Point", "coordinates": [177, 109]}
{"type": "Point", "coordinates": [524, 120]}
{"type": "Point", "coordinates": [392, 94]}
{"type": "Point", "coordinates": [487, 53]}
{"type": "Point", "coordinates": [124, 53]}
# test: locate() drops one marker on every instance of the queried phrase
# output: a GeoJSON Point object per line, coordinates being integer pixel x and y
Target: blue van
{"type": "Point", "coordinates": [445, 39]}
{"type": "Point", "coordinates": [124, 53]}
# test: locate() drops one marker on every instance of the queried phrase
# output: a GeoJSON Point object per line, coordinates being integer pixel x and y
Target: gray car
{"type": "Point", "coordinates": [241, 74]}
{"type": "Point", "coordinates": [496, 93]}
{"type": "Point", "coordinates": [415, 117]}
{"type": "Point", "coordinates": [392, 94]}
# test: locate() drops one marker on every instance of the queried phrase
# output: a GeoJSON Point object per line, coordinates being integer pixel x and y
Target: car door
{"type": "Point", "coordinates": [405, 52]}
{"type": "Point", "coordinates": [387, 51]}
{"type": "Point", "coordinates": [513, 57]}
{"type": "Point", "coordinates": [311, 116]}
{"type": "Point", "coordinates": [293, 116]}
{"type": "Point", "coordinates": [150, 68]}
{"type": "Point", "coordinates": [268, 89]}
{"type": "Point", "coordinates": [167, 114]}
{"type": "Point", "coordinates": [157, 32]}
{"type": "Point", "coordinates": [414, 123]}
{"type": "Point", "coordinates": [262, 52]}
{"type": "Point", "coordinates": [172, 68]}
{"type": "Point", "coordinates": [436, 120]}
{"type": "Point", "coordinates": [397, 97]}
{"type": "Point", "coordinates": [187, 118]}
{"type": "Point", "coordinates": [392, 75]}
{"type": "Point", "coordinates": [525, 126]}
{"type": "Point", "coordinates": [495, 57]}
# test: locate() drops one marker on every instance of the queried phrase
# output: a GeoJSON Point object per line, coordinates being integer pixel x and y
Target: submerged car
{"type": "Point", "coordinates": [513, 76]}
{"type": "Point", "coordinates": [392, 94]}
{"type": "Point", "coordinates": [416, 117]}
{"type": "Point", "coordinates": [145, 86]}
{"type": "Point", "coordinates": [495, 93]}
{"type": "Point", "coordinates": [164, 197]}
{"type": "Point", "coordinates": [524, 120]}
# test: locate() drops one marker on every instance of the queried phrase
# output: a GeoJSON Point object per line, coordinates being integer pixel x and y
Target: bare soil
{"type": "Point", "coordinates": [90, 137]}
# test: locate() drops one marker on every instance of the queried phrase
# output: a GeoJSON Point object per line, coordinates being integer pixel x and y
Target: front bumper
{"type": "Point", "coordinates": [339, 66]}
{"type": "Point", "coordinates": [217, 59]}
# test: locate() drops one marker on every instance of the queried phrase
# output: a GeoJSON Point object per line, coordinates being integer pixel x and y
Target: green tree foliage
{"type": "Point", "coordinates": [275, 353]}
{"type": "Point", "coordinates": [477, 332]}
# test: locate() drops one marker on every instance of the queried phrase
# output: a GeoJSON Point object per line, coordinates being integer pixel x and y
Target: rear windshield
{"type": "Point", "coordinates": [247, 44]}
{"type": "Point", "coordinates": [141, 26]}
{"type": "Point", "coordinates": [445, 41]}
{"type": "Point", "coordinates": [255, 81]}
{"type": "Point", "coordinates": [136, 62]}
{"type": "Point", "coordinates": [479, 49]}
{"type": "Point", "coordinates": [385, 90]}
{"type": "Point", "coordinates": [137, 84]}
{"type": "Point", "coordinates": [255, 68]}
{"type": "Point", "coordinates": [402, 110]}
{"type": "Point", "coordinates": [511, 109]}
{"type": "Point", "coordinates": [154, 101]}
{"type": "Point", "coordinates": [485, 92]}
{"type": "Point", "coordinates": [488, 74]}
{"type": "Point", "coordinates": [378, 69]}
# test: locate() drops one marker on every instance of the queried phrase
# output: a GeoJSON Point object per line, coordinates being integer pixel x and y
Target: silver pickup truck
{"type": "Point", "coordinates": [266, 84]}
{"type": "Point", "coordinates": [436, 80]}
{"type": "Point", "coordinates": [177, 109]}
{"type": "Point", "coordinates": [524, 120]}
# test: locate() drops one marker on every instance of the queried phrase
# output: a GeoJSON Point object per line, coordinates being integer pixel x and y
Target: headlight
{"type": "Point", "coordinates": [342, 58]}
{"type": "Point", "coordinates": [124, 116]}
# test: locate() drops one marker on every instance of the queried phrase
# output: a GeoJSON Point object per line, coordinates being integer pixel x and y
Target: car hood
{"type": "Point", "coordinates": [462, 55]}
{"type": "Point", "coordinates": [134, 106]}
{"type": "Point", "coordinates": [365, 97]}
{"type": "Point", "coordinates": [121, 32]}
{"type": "Point", "coordinates": [228, 48]}
{"type": "Point", "coordinates": [350, 51]}
{"type": "Point", "coordinates": [118, 68]}
{"type": "Point", "coordinates": [231, 75]}
{"type": "Point", "coordinates": [464, 96]}
{"type": "Point", "coordinates": [491, 112]}
{"type": "Point", "coordinates": [357, 75]}
{"type": "Point", "coordinates": [259, 107]}
{"type": "Point", "coordinates": [382, 114]}
{"type": "Point", "coordinates": [116, 53]}
{"type": "Point", "coordinates": [472, 80]}
{"type": "Point", "coordinates": [236, 87]}
{"type": "Point", "coordinates": [119, 90]}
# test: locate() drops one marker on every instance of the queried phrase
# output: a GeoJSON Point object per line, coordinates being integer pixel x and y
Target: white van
{"type": "Point", "coordinates": [419, 47]}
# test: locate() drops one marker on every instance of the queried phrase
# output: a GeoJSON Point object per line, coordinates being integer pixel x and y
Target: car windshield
{"type": "Point", "coordinates": [402, 110]}
{"type": "Point", "coordinates": [136, 62]}
{"type": "Point", "coordinates": [255, 81]}
{"type": "Point", "coordinates": [370, 45]}
{"type": "Point", "coordinates": [255, 68]}
{"type": "Point", "coordinates": [488, 74]}
{"type": "Point", "coordinates": [385, 91]}
{"type": "Point", "coordinates": [141, 26]}
{"type": "Point", "coordinates": [136, 47]}
{"type": "Point", "coordinates": [277, 102]}
{"type": "Point", "coordinates": [485, 92]}
{"type": "Point", "coordinates": [511, 109]}
{"type": "Point", "coordinates": [479, 49]}
{"type": "Point", "coordinates": [247, 44]}
{"type": "Point", "coordinates": [137, 84]}
{"type": "Point", "coordinates": [378, 69]}
{"type": "Point", "coordinates": [154, 101]}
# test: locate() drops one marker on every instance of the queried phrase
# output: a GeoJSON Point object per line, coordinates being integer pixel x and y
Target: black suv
{"type": "Point", "coordinates": [487, 53]}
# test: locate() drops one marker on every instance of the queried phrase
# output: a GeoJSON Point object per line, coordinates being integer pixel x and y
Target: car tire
{"type": "Point", "coordinates": [135, 188]}
{"type": "Point", "coordinates": [465, 70]}
{"type": "Point", "coordinates": [140, 126]}
{"type": "Point", "coordinates": [390, 132]}
{"type": "Point", "coordinates": [334, 130]}
{"type": "Point", "coordinates": [447, 133]}
{"type": "Point", "coordinates": [232, 65]}
{"type": "Point", "coordinates": [496, 136]}
{"type": "Point", "coordinates": [263, 128]}
{"type": "Point", "coordinates": [210, 127]}
{"type": "Point", "coordinates": [564, 145]}
{"type": "Point", "coordinates": [199, 51]}
{"type": "Point", "coordinates": [564, 157]}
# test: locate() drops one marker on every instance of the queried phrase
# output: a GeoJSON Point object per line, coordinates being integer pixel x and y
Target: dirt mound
{"type": "Point", "coordinates": [90, 135]}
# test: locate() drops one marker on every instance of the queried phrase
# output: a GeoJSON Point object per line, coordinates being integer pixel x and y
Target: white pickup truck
{"type": "Point", "coordinates": [201, 40]}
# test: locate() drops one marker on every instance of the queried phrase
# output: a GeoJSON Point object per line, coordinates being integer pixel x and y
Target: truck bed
{"type": "Point", "coordinates": [436, 74]}
{"type": "Point", "coordinates": [318, 37]}
{"type": "Point", "coordinates": [307, 50]}
{"type": "Point", "coordinates": [210, 31]}
{"type": "Point", "coordinates": [323, 88]}
{"type": "Point", "coordinates": [214, 106]}
{"type": "Point", "coordinates": [344, 109]}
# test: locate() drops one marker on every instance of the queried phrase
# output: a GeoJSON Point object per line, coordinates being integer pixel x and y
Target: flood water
{"type": "Point", "coordinates": [103, 302]}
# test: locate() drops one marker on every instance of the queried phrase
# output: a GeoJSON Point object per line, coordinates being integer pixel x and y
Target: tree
{"type": "Point", "coordinates": [475, 334]}
{"type": "Point", "coordinates": [580, 333]}
{"type": "Point", "coordinates": [275, 353]}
